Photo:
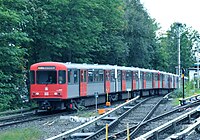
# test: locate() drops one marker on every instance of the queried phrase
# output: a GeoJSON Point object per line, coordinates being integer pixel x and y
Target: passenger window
{"type": "Point", "coordinates": [62, 77]}
{"type": "Point", "coordinates": [163, 76]}
{"type": "Point", "coordinates": [76, 76]}
{"type": "Point", "coordinates": [123, 75]}
{"type": "Point", "coordinates": [82, 75]}
{"type": "Point", "coordinates": [149, 76]}
{"type": "Point", "coordinates": [90, 76]}
{"type": "Point", "coordinates": [69, 76]}
{"type": "Point", "coordinates": [32, 77]}
{"type": "Point", "coordinates": [136, 76]}
{"type": "Point", "coordinates": [85, 76]}
{"type": "Point", "coordinates": [112, 76]}
{"type": "Point", "coordinates": [142, 75]}
{"type": "Point", "coordinates": [107, 75]}
{"type": "Point", "coordinates": [119, 75]}
{"type": "Point", "coordinates": [96, 76]}
{"type": "Point", "coordinates": [101, 76]}
{"type": "Point", "coordinates": [128, 76]}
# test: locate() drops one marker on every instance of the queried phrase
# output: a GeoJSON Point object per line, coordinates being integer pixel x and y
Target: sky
{"type": "Point", "coordinates": [167, 12]}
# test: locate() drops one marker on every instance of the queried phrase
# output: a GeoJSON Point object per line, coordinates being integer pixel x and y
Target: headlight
{"type": "Point", "coordinates": [55, 93]}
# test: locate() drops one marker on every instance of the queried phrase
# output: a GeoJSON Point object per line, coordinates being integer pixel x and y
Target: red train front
{"type": "Point", "coordinates": [48, 85]}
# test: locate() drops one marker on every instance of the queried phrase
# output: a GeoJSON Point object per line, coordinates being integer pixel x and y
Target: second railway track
{"type": "Point", "coordinates": [116, 118]}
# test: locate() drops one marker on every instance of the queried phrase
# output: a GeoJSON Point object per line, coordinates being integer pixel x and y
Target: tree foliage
{"type": "Point", "coordinates": [117, 32]}
{"type": "Point", "coordinates": [11, 53]}
{"type": "Point", "coordinates": [169, 48]}
{"type": "Point", "coordinates": [140, 34]}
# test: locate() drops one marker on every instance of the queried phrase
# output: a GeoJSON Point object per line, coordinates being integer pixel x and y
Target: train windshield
{"type": "Point", "coordinates": [46, 77]}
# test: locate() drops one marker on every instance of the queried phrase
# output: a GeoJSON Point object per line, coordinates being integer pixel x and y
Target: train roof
{"type": "Point", "coordinates": [100, 66]}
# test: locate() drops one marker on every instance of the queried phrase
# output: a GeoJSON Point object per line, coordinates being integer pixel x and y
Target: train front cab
{"type": "Point", "coordinates": [48, 85]}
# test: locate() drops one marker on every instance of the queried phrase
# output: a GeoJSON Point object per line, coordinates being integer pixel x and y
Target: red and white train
{"type": "Point", "coordinates": [56, 85]}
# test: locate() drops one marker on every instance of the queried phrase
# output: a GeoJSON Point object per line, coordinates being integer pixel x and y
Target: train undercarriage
{"type": "Point", "coordinates": [80, 102]}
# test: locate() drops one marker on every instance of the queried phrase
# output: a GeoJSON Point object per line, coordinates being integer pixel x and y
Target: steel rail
{"type": "Point", "coordinates": [27, 118]}
{"type": "Point", "coordinates": [133, 129]}
{"type": "Point", "coordinates": [115, 122]}
{"type": "Point", "coordinates": [16, 116]}
{"type": "Point", "coordinates": [21, 121]}
{"type": "Point", "coordinates": [92, 121]}
{"type": "Point", "coordinates": [146, 118]}
{"type": "Point", "coordinates": [17, 111]}
{"type": "Point", "coordinates": [155, 118]}
{"type": "Point", "coordinates": [185, 132]}
{"type": "Point", "coordinates": [166, 125]}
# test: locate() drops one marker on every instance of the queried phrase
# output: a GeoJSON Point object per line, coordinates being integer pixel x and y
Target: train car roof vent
{"type": "Point", "coordinates": [68, 62]}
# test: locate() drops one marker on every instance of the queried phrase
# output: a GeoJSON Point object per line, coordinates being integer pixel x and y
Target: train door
{"type": "Point", "coordinates": [169, 81]}
{"type": "Point", "coordinates": [107, 77]}
{"type": "Point", "coordinates": [83, 83]}
{"type": "Point", "coordinates": [123, 80]}
{"type": "Point", "coordinates": [174, 81]}
{"type": "Point", "coordinates": [129, 80]}
{"type": "Point", "coordinates": [73, 83]}
{"type": "Point", "coordinates": [163, 81]}
{"type": "Point", "coordinates": [144, 80]}
{"type": "Point", "coordinates": [158, 80]}
{"type": "Point", "coordinates": [119, 78]}
{"type": "Point", "coordinates": [153, 80]}
{"type": "Point", "coordinates": [63, 86]}
{"type": "Point", "coordinates": [134, 80]}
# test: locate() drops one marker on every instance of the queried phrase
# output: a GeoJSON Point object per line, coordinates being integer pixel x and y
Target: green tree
{"type": "Point", "coordinates": [76, 31]}
{"type": "Point", "coordinates": [110, 47]}
{"type": "Point", "coordinates": [12, 76]}
{"type": "Point", "coordinates": [139, 35]}
{"type": "Point", "coordinates": [169, 47]}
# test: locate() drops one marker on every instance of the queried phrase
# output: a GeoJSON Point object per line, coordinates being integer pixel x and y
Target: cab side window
{"type": "Point", "coordinates": [62, 77]}
{"type": "Point", "coordinates": [32, 77]}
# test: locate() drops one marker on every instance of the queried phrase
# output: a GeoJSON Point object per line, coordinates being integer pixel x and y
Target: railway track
{"type": "Point", "coordinates": [116, 120]}
{"type": "Point", "coordinates": [9, 118]}
{"type": "Point", "coordinates": [97, 123]}
{"type": "Point", "coordinates": [133, 117]}
{"type": "Point", "coordinates": [13, 119]}
{"type": "Point", "coordinates": [19, 111]}
{"type": "Point", "coordinates": [143, 126]}
{"type": "Point", "coordinates": [170, 124]}
{"type": "Point", "coordinates": [95, 129]}
{"type": "Point", "coordinates": [117, 123]}
{"type": "Point", "coordinates": [27, 117]}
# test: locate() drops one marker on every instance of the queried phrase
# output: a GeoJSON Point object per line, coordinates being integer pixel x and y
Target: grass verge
{"type": "Point", "coordinates": [189, 91]}
{"type": "Point", "coordinates": [21, 134]}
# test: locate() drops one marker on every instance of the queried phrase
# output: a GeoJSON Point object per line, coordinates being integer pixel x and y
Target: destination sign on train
{"type": "Point", "coordinates": [46, 68]}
